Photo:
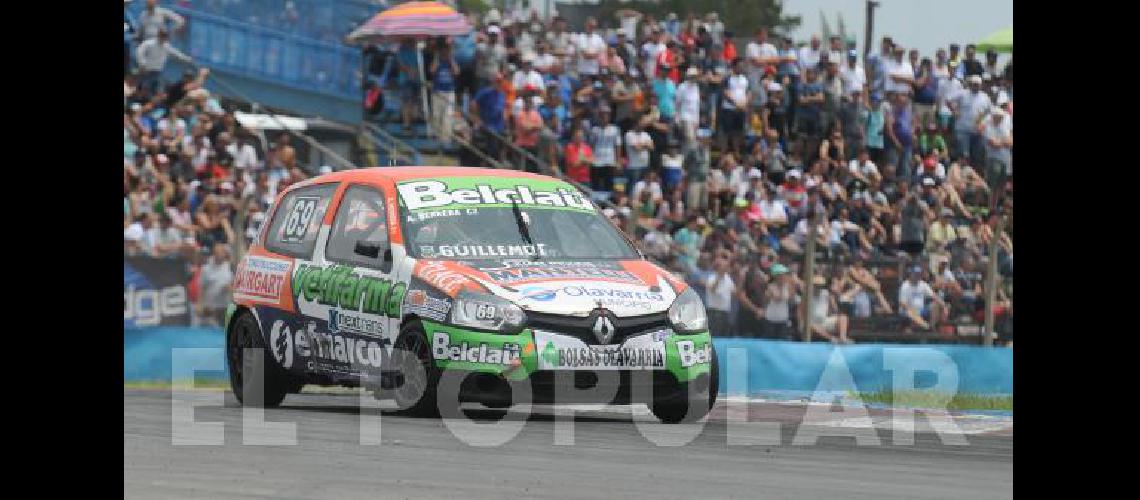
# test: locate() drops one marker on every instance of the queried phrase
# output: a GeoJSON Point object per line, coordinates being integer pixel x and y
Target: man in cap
{"type": "Point", "coordinates": [999, 146]}
{"type": "Point", "coordinates": [854, 78]}
{"type": "Point", "coordinates": [490, 56]}
{"type": "Point", "coordinates": [689, 105]}
{"type": "Point", "coordinates": [969, 108]}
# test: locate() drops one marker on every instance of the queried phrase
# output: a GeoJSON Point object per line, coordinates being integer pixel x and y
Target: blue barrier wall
{"type": "Point", "coordinates": [748, 366]}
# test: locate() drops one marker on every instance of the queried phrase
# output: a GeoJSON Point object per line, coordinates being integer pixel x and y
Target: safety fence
{"type": "Point", "coordinates": [749, 367]}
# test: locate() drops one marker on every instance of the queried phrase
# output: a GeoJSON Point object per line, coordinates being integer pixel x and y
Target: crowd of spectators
{"type": "Point", "coordinates": [719, 150]}
{"type": "Point", "coordinates": [192, 175]}
{"type": "Point", "coordinates": [715, 152]}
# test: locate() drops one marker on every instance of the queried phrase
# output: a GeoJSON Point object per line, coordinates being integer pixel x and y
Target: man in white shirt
{"type": "Point", "coordinates": [808, 57]}
{"type": "Point", "coordinates": [689, 105]}
{"type": "Point", "coordinates": [719, 289]}
{"type": "Point", "coordinates": [900, 74]}
{"type": "Point", "coordinates": [590, 47]}
{"type": "Point", "coordinates": [969, 107]}
{"type": "Point", "coordinates": [650, 50]}
{"type": "Point", "coordinates": [526, 78]}
{"type": "Point", "coordinates": [913, 294]}
{"type": "Point", "coordinates": [863, 169]}
{"type": "Point", "coordinates": [151, 57]}
{"type": "Point", "coordinates": [734, 107]}
{"type": "Point", "coordinates": [760, 53]}
{"type": "Point", "coordinates": [638, 144]}
{"type": "Point", "coordinates": [852, 74]}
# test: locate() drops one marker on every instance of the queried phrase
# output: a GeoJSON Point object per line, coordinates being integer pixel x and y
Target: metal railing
{"type": "Point", "coordinates": [287, 58]}
{"type": "Point", "coordinates": [397, 148]}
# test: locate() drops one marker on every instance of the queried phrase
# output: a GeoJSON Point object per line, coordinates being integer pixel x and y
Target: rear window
{"type": "Point", "coordinates": [297, 220]}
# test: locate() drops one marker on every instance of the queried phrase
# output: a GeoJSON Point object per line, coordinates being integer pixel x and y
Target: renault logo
{"type": "Point", "coordinates": [603, 327]}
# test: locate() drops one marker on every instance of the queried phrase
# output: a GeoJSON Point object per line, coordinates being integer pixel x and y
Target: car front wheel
{"type": "Point", "coordinates": [677, 409]}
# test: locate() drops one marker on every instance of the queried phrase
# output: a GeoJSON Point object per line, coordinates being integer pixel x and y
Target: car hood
{"type": "Point", "coordinates": [572, 288]}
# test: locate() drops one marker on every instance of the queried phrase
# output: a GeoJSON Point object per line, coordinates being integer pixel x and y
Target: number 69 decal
{"type": "Point", "coordinates": [297, 224]}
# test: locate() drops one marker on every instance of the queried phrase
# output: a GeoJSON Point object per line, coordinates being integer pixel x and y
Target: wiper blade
{"type": "Point", "coordinates": [524, 229]}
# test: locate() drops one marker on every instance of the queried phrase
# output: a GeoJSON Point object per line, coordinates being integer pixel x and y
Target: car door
{"type": "Point", "coordinates": [347, 292]}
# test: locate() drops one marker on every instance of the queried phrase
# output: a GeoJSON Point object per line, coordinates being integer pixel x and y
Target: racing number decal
{"type": "Point", "coordinates": [297, 225]}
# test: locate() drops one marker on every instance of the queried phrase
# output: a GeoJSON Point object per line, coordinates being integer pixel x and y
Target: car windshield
{"type": "Point", "coordinates": [454, 226]}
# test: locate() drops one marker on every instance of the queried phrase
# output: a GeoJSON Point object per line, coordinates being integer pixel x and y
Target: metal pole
{"type": "Point", "coordinates": [809, 275]}
{"type": "Point", "coordinates": [868, 24]}
{"type": "Point", "coordinates": [423, 87]}
{"type": "Point", "coordinates": [991, 280]}
{"type": "Point", "coordinates": [363, 84]}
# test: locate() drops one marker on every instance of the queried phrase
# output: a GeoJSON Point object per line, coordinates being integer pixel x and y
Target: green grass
{"type": "Point", "coordinates": [929, 399]}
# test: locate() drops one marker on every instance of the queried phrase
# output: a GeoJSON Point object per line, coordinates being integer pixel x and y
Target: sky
{"type": "Point", "coordinates": [922, 24]}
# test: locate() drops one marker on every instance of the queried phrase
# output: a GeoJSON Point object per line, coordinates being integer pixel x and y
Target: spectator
{"type": "Point", "coordinates": [408, 62]}
{"type": "Point", "coordinates": [809, 110]}
{"type": "Point", "coordinates": [152, 54]}
{"type": "Point", "coordinates": [528, 127]}
{"type": "Point", "coordinates": [918, 303]}
{"type": "Point", "coordinates": [777, 309]}
{"type": "Point", "coordinates": [826, 320]}
{"type": "Point", "coordinates": [737, 97]}
{"type": "Point", "coordinates": [720, 289]}
{"type": "Point", "coordinates": [153, 21]}
{"type": "Point", "coordinates": [750, 295]}
{"type": "Point", "coordinates": [999, 144]}
{"type": "Point", "coordinates": [900, 132]}
{"type": "Point", "coordinates": [215, 282]}
{"type": "Point", "coordinates": [591, 47]}
{"type": "Point", "coordinates": [579, 156]}
{"type": "Point", "coordinates": [638, 144]}
{"type": "Point", "coordinates": [444, 72]}
{"type": "Point", "coordinates": [605, 139]}
{"type": "Point", "coordinates": [969, 108]}
{"type": "Point", "coordinates": [672, 167]}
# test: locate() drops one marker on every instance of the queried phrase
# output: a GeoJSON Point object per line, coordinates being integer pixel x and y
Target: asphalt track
{"type": "Point", "coordinates": [610, 456]}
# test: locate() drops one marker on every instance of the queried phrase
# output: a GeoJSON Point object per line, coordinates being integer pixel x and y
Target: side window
{"type": "Point", "coordinates": [360, 230]}
{"type": "Point", "coordinates": [297, 221]}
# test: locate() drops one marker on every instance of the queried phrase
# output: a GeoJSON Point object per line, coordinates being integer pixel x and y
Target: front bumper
{"type": "Point", "coordinates": [500, 363]}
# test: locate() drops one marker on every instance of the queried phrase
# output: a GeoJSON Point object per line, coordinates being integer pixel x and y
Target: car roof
{"type": "Point", "coordinates": [401, 174]}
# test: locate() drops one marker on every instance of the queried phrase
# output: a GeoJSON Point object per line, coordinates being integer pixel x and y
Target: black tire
{"type": "Point", "coordinates": [676, 410]}
{"type": "Point", "coordinates": [245, 334]}
{"type": "Point", "coordinates": [415, 391]}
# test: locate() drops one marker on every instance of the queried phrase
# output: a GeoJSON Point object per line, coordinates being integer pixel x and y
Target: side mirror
{"type": "Point", "coordinates": [370, 250]}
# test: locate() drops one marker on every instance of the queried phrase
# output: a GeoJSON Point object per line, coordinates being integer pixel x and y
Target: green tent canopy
{"type": "Point", "coordinates": [1000, 41]}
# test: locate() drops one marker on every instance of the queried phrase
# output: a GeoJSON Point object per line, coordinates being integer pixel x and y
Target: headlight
{"type": "Point", "coordinates": [687, 314]}
{"type": "Point", "coordinates": [487, 312]}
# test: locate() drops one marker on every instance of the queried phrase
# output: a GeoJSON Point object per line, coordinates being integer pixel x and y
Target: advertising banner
{"type": "Point", "coordinates": [154, 292]}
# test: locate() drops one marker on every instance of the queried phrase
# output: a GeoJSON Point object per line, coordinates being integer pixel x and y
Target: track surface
{"type": "Point", "coordinates": [610, 457]}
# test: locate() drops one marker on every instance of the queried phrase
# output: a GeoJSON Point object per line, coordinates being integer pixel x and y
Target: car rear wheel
{"type": "Point", "coordinates": [676, 410]}
{"type": "Point", "coordinates": [245, 349]}
{"type": "Point", "coordinates": [415, 387]}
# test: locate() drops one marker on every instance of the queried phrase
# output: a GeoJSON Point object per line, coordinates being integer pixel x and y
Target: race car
{"type": "Point", "coordinates": [435, 286]}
